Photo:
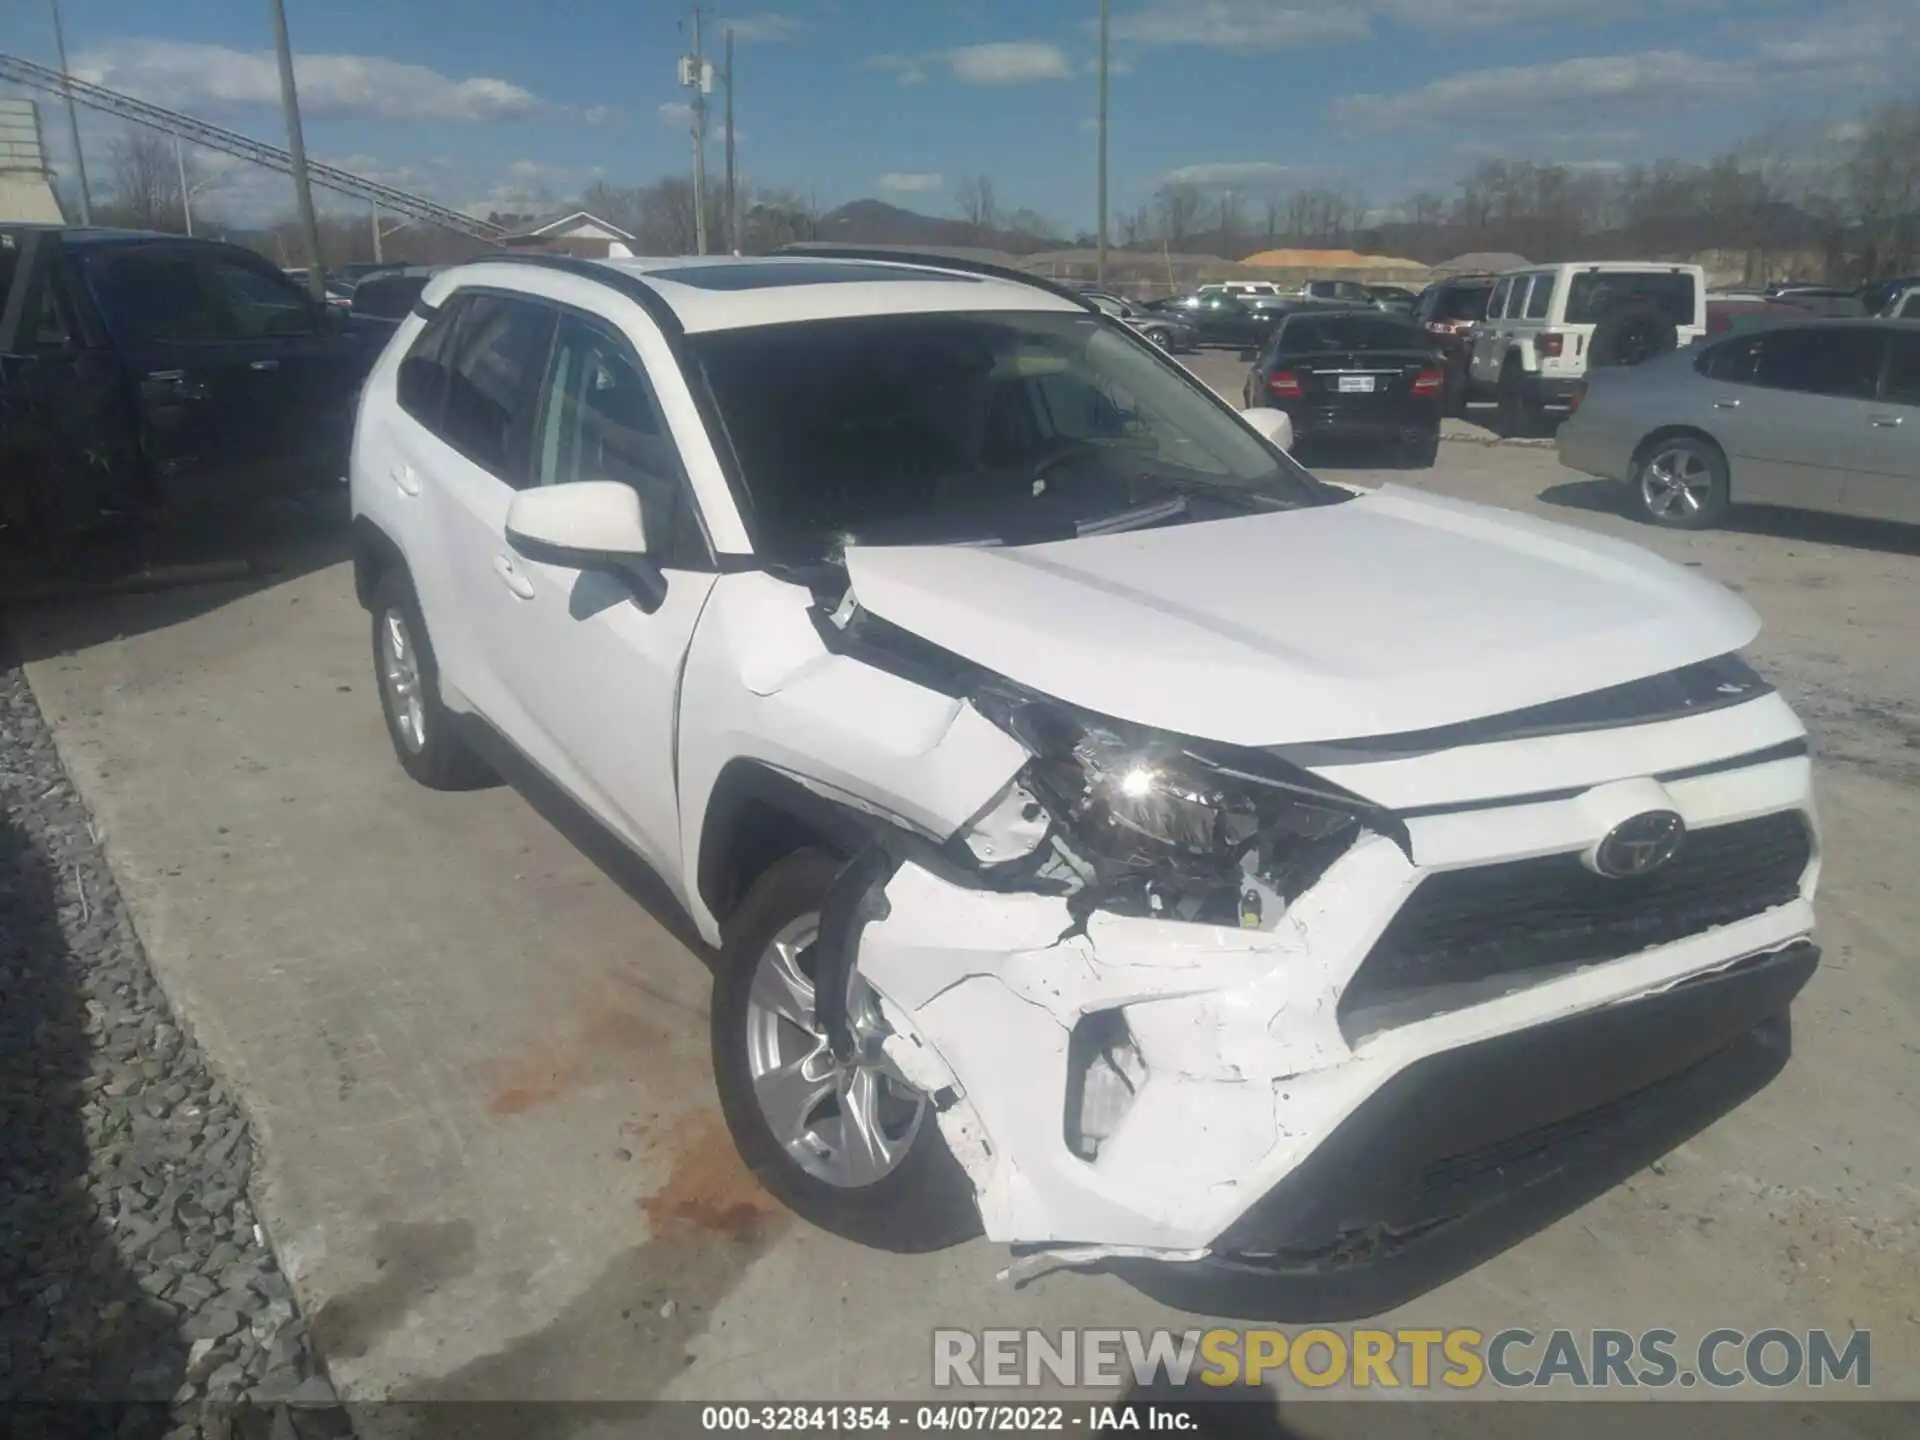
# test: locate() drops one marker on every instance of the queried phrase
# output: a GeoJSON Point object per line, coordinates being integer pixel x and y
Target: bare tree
{"type": "Point", "coordinates": [974, 195]}
{"type": "Point", "coordinates": [1178, 203]}
{"type": "Point", "coordinates": [144, 182]}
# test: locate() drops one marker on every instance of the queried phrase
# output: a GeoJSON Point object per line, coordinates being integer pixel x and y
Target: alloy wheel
{"type": "Point", "coordinates": [1676, 483]}
{"type": "Point", "coordinates": [849, 1123]}
{"type": "Point", "coordinates": [400, 678]}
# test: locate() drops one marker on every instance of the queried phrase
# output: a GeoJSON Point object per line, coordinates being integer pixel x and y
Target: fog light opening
{"type": "Point", "coordinates": [1104, 1074]}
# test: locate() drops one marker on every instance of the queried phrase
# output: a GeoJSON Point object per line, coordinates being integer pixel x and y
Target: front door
{"type": "Point", "coordinates": [1808, 429]}
{"type": "Point", "coordinates": [1885, 483]}
{"type": "Point", "coordinates": [597, 668]}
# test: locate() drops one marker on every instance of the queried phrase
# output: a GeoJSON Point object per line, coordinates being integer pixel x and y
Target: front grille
{"type": "Point", "coordinates": [1463, 930]}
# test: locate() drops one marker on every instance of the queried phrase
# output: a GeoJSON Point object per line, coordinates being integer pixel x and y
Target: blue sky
{"type": "Point", "coordinates": [520, 105]}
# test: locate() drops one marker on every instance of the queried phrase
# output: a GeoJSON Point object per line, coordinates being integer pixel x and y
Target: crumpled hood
{"type": "Point", "coordinates": [1393, 612]}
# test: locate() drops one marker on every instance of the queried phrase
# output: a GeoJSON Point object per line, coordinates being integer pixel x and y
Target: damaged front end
{"type": "Point", "coordinates": [1099, 959]}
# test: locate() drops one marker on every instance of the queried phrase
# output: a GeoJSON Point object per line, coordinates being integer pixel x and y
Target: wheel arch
{"type": "Point", "coordinates": [375, 556]}
{"type": "Point", "coordinates": [756, 816]}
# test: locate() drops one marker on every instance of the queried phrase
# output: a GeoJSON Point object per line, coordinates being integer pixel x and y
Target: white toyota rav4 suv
{"type": "Point", "coordinates": [1112, 836]}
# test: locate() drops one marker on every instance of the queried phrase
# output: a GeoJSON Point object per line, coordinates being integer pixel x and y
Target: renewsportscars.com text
{"type": "Point", "coordinates": [1369, 1359]}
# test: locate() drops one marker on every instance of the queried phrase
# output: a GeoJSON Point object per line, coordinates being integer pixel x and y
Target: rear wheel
{"type": "Point", "coordinates": [1518, 413]}
{"type": "Point", "coordinates": [408, 677]}
{"type": "Point", "coordinates": [1681, 483]}
{"type": "Point", "coordinates": [849, 1146]}
{"type": "Point", "coordinates": [1422, 453]}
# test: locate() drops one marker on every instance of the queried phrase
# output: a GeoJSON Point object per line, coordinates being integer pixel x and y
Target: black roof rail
{"type": "Point", "coordinates": [931, 260]}
{"type": "Point", "coordinates": [627, 283]}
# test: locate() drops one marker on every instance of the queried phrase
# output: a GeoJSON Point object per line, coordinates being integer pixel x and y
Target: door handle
{"type": "Point", "coordinates": [1726, 404]}
{"type": "Point", "coordinates": [263, 364]}
{"type": "Point", "coordinates": [515, 579]}
{"type": "Point", "coordinates": [1886, 422]}
{"type": "Point", "coordinates": [404, 477]}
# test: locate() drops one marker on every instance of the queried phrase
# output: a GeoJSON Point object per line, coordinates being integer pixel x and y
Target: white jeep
{"type": "Point", "coordinates": [1110, 834]}
{"type": "Point", "coordinates": [1546, 325]}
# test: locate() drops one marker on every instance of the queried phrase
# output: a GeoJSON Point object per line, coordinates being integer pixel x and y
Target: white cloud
{"type": "Point", "coordinates": [1591, 87]}
{"type": "Point", "coordinates": [1241, 25]}
{"type": "Point", "coordinates": [767, 28]}
{"type": "Point", "coordinates": [999, 62]}
{"type": "Point", "coordinates": [1009, 62]}
{"type": "Point", "coordinates": [911, 182]}
{"type": "Point", "coordinates": [192, 76]}
{"type": "Point", "coordinates": [674, 114]}
{"type": "Point", "coordinates": [905, 69]}
{"type": "Point", "coordinates": [1232, 174]}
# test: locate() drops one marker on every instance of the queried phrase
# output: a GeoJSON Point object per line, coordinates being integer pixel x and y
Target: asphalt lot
{"type": "Point", "coordinates": [476, 1058]}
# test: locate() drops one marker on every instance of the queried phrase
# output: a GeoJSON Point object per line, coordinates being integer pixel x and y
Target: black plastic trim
{"type": "Point", "coordinates": [856, 897]}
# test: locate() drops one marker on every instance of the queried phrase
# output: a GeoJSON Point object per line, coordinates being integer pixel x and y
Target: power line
{"type": "Point", "coordinates": [230, 142]}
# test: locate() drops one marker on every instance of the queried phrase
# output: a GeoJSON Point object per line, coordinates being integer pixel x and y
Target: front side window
{"type": "Point", "coordinates": [499, 355]}
{"type": "Point", "coordinates": [262, 304]}
{"type": "Point", "coordinates": [600, 420]}
{"type": "Point", "coordinates": [1823, 360]}
{"type": "Point", "coordinates": [149, 295]}
{"type": "Point", "coordinates": [975, 428]}
{"type": "Point", "coordinates": [1903, 368]}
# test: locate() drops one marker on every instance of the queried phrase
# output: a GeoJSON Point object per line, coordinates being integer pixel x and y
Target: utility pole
{"type": "Point", "coordinates": [733, 194]}
{"type": "Point", "coordinates": [297, 147]}
{"type": "Point", "coordinates": [697, 75]}
{"type": "Point", "coordinates": [73, 116]}
{"type": "Point", "coordinates": [1100, 262]}
{"type": "Point", "coordinates": [186, 195]}
{"type": "Point", "coordinates": [376, 234]}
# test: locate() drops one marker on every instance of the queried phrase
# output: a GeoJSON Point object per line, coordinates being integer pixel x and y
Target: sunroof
{"type": "Point", "coordinates": [771, 277]}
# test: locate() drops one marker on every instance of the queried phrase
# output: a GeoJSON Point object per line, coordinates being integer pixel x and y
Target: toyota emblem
{"type": "Point", "coordinates": [1640, 845]}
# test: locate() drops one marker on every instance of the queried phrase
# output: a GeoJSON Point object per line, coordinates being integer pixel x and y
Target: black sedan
{"type": "Point", "coordinates": [1218, 318]}
{"type": "Point", "coordinates": [1359, 375]}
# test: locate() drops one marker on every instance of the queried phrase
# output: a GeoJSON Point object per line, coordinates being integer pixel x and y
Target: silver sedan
{"type": "Point", "coordinates": [1820, 415]}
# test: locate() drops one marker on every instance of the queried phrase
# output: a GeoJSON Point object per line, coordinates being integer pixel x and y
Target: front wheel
{"type": "Point", "coordinates": [849, 1146]}
{"type": "Point", "coordinates": [1682, 484]}
{"type": "Point", "coordinates": [408, 678]}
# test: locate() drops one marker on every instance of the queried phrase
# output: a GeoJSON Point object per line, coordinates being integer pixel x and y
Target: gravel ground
{"type": "Point", "coordinates": [133, 1273]}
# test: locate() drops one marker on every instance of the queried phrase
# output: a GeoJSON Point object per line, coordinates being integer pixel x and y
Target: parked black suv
{"type": "Point", "coordinates": [143, 372]}
{"type": "Point", "coordinates": [1448, 310]}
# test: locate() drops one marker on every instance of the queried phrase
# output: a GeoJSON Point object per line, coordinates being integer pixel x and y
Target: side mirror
{"type": "Point", "coordinates": [1274, 426]}
{"type": "Point", "coordinates": [587, 525]}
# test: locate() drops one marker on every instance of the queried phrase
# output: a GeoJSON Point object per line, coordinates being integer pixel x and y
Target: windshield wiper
{"type": "Point", "coordinates": [1139, 516]}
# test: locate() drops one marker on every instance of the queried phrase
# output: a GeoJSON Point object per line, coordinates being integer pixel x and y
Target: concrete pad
{"type": "Point", "coordinates": [452, 1030]}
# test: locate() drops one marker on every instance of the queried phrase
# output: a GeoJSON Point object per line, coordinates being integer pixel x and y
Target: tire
{"type": "Point", "coordinates": [423, 731]}
{"type": "Point", "coordinates": [924, 1201]}
{"type": "Point", "coordinates": [1161, 338]}
{"type": "Point", "coordinates": [1518, 414]}
{"type": "Point", "coordinates": [1631, 335]}
{"type": "Point", "coordinates": [1681, 483]}
{"type": "Point", "coordinates": [1421, 454]}
{"type": "Point", "coordinates": [1453, 392]}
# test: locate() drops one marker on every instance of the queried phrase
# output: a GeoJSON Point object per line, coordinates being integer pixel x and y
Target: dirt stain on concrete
{"type": "Point", "coordinates": [709, 1189]}
{"type": "Point", "coordinates": [412, 1261]}
{"type": "Point", "coordinates": [607, 1040]}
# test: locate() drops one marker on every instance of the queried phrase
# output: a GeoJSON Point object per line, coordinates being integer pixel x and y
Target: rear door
{"type": "Point", "coordinates": [205, 397]}
{"type": "Point", "coordinates": [1812, 418]}
{"type": "Point", "coordinates": [1484, 358]}
{"type": "Point", "coordinates": [473, 463]}
{"type": "Point", "coordinates": [1886, 484]}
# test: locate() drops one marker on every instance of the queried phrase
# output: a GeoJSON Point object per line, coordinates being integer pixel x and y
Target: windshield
{"type": "Point", "coordinates": [1003, 428]}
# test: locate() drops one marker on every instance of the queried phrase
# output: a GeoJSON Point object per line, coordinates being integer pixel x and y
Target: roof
{"type": "Point", "coordinates": [725, 292]}
{"type": "Point", "coordinates": [574, 220]}
{"type": "Point", "coordinates": [95, 235]}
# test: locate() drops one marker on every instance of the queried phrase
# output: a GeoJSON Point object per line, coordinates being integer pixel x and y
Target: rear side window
{"type": "Point", "coordinates": [1540, 301]}
{"type": "Point", "coordinates": [1734, 361]}
{"type": "Point", "coordinates": [422, 382]}
{"type": "Point", "coordinates": [1592, 295]}
{"type": "Point", "coordinates": [1910, 307]}
{"type": "Point", "coordinates": [499, 353]}
{"type": "Point", "coordinates": [156, 295]}
{"type": "Point", "coordinates": [1497, 303]}
{"type": "Point", "coordinates": [1822, 360]}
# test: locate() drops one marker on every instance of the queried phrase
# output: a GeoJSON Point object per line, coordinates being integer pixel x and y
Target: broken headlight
{"type": "Point", "coordinates": [1159, 828]}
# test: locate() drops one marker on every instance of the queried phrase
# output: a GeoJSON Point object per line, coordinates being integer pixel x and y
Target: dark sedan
{"type": "Point", "coordinates": [1219, 318]}
{"type": "Point", "coordinates": [1356, 376]}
